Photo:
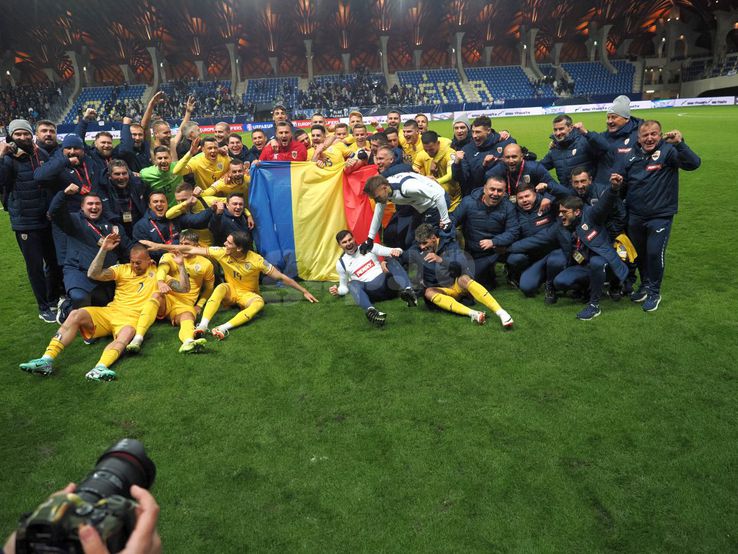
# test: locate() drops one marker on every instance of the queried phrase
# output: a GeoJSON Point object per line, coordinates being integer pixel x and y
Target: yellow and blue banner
{"type": "Point", "coordinates": [299, 207]}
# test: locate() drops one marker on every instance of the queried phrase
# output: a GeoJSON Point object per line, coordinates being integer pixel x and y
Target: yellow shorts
{"type": "Point", "coordinates": [240, 298]}
{"type": "Point", "coordinates": [454, 291]}
{"type": "Point", "coordinates": [108, 321]}
{"type": "Point", "coordinates": [175, 308]}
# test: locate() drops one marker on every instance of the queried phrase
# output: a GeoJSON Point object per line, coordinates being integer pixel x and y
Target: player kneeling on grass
{"type": "Point", "coordinates": [182, 280]}
{"type": "Point", "coordinates": [445, 274]}
{"type": "Point", "coordinates": [241, 268]}
{"type": "Point", "coordinates": [135, 282]}
{"type": "Point", "coordinates": [361, 274]}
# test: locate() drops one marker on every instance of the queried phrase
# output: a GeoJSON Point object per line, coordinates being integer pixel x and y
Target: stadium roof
{"type": "Point", "coordinates": [108, 33]}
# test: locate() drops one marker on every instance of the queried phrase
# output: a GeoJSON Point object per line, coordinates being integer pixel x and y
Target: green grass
{"type": "Point", "coordinates": [310, 431]}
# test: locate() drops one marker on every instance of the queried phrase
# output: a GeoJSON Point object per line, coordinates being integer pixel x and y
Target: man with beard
{"type": "Point", "coordinates": [46, 136]}
{"type": "Point", "coordinates": [279, 115]}
{"type": "Point", "coordinates": [527, 270]}
{"type": "Point", "coordinates": [516, 170]}
{"type": "Point", "coordinates": [584, 258]}
{"type": "Point", "coordinates": [102, 151]}
{"type": "Point", "coordinates": [422, 121]}
{"type": "Point", "coordinates": [569, 149]}
{"type": "Point", "coordinates": [462, 136]}
{"type": "Point", "coordinates": [155, 227]}
{"type": "Point", "coordinates": [236, 180]}
{"type": "Point", "coordinates": [361, 274]}
{"type": "Point", "coordinates": [651, 178]}
{"type": "Point", "coordinates": [476, 158]}
{"type": "Point", "coordinates": [591, 193]}
{"type": "Point", "coordinates": [394, 119]}
{"type": "Point", "coordinates": [489, 224]}
{"type": "Point", "coordinates": [615, 145]}
{"type": "Point", "coordinates": [207, 167]}
{"type": "Point", "coordinates": [287, 148]}
{"type": "Point", "coordinates": [26, 202]}
{"type": "Point", "coordinates": [230, 218]}
{"type": "Point", "coordinates": [160, 177]}
{"type": "Point", "coordinates": [134, 147]}
{"type": "Point", "coordinates": [84, 230]}
{"type": "Point", "coordinates": [128, 198]}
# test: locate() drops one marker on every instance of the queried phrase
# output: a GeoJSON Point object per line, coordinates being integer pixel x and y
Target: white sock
{"type": "Point", "coordinates": [203, 323]}
{"type": "Point", "coordinates": [225, 327]}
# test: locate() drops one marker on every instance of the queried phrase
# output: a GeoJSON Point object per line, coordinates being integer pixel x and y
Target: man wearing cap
{"type": "Point", "coordinates": [26, 202]}
{"type": "Point", "coordinates": [462, 134]}
{"type": "Point", "coordinates": [614, 146]}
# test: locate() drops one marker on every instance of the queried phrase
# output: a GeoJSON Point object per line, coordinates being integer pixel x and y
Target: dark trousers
{"type": "Point", "coordinates": [43, 271]}
{"type": "Point", "coordinates": [484, 270]}
{"type": "Point", "coordinates": [382, 287]}
{"type": "Point", "coordinates": [591, 275]}
{"type": "Point", "coordinates": [532, 276]}
{"type": "Point", "coordinates": [83, 291]}
{"type": "Point", "coordinates": [650, 237]}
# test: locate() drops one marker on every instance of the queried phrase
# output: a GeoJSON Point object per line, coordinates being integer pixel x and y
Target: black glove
{"type": "Point", "coordinates": [366, 246]}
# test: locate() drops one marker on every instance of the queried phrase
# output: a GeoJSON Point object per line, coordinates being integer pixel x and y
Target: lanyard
{"type": "Point", "coordinates": [86, 185]}
{"type": "Point", "coordinates": [509, 185]}
{"type": "Point", "coordinates": [94, 228]}
{"type": "Point", "coordinates": [156, 228]}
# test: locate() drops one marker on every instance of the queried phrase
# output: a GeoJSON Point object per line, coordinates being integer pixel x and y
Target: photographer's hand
{"type": "Point", "coordinates": [9, 547]}
{"type": "Point", "coordinates": [144, 539]}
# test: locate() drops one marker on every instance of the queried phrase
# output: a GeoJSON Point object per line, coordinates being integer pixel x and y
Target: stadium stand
{"type": "Point", "coordinates": [441, 86]}
{"type": "Point", "coordinates": [274, 90]}
{"type": "Point", "coordinates": [99, 97]}
{"type": "Point", "coordinates": [594, 78]}
{"type": "Point", "coordinates": [493, 83]}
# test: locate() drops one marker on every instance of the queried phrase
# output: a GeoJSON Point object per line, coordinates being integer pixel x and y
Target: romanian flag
{"type": "Point", "coordinates": [298, 208]}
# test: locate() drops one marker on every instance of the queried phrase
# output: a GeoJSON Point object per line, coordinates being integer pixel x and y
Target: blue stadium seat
{"type": "Point", "coordinates": [442, 86]}
{"type": "Point", "coordinates": [594, 78]}
{"type": "Point", "coordinates": [282, 89]}
{"type": "Point", "coordinates": [95, 97]}
{"type": "Point", "coordinates": [500, 83]}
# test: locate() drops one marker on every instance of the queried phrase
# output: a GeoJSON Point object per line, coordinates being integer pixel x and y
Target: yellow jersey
{"type": "Point", "coordinates": [131, 290]}
{"type": "Point", "coordinates": [222, 189]}
{"type": "Point", "coordinates": [205, 236]}
{"type": "Point", "coordinates": [409, 150]}
{"type": "Point", "coordinates": [242, 274]}
{"type": "Point", "coordinates": [205, 170]}
{"type": "Point", "coordinates": [440, 168]}
{"type": "Point", "coordinates": [335, 154]}
{"type": "Point", "coordinates": [200, 271]}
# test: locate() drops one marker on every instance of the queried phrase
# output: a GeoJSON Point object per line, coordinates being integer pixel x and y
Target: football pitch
{"type": "Point", "coordinates": [310, 431]}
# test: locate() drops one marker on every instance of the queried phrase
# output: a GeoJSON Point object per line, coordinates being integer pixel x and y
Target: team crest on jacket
{"type": "Point", "coordinates": [655, 155]}
{"type": "Point", "coordinates": [499, 149]}
{"type": "Point", "coordinates": [626, 141]}
{"type": "Point", "coordinates": [526, 178]}
{"type": "Point", "coordinates": [574, 152]}
{"type": "Point", "coordinates": [294, 154]}
{"type": "Point", "coordinates": [585, 227]}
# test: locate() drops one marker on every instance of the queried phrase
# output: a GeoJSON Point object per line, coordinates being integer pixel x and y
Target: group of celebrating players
{"type": "Point", "coordinates": [448, 210]}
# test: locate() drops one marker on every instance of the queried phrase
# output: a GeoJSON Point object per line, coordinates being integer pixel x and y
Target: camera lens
{"type": "Point", "coordinates": [122, 465]}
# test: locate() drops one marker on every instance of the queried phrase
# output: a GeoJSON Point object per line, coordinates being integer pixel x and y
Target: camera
{"type": "Point", "coordinates": [12, 148]}
{"type": "Point", "coordinates": [362, 154]}
{"type": "Point", "coordinates": [102, 500]}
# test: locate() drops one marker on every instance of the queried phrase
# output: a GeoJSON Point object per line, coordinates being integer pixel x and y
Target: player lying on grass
{"type": "Point", "coordinates": [135, 282]}
{"type": "Point", "coordinates": [361, 274]}
{"type": "Point", "coordinates": [241, 267]}
{"type": "Point", "coordinates": [196, 277]}
{"type": "Point", "coordinates": [445, 274]}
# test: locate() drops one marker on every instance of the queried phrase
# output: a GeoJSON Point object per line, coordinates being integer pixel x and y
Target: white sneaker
{"type": "Point", "coordinates": [478, 317]}
{"type": "Point", "coordinates": [505, 318]}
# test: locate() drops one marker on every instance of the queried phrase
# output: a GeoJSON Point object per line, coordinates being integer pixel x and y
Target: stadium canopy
{"type": "Point", "coordinates": [113, 39]}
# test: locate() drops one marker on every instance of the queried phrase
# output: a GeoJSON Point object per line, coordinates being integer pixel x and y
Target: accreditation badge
{"type": "Point", "coordinates": [127, 217]}
{"type": "Point", "coordinates": [578, 257]}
